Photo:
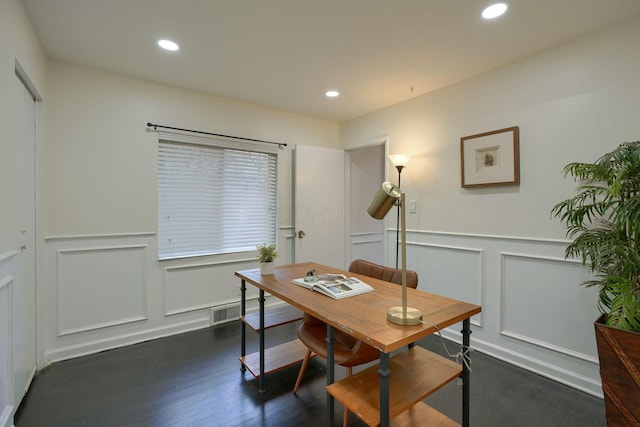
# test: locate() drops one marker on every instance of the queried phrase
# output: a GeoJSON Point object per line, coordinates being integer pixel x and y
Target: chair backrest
{"type": "Point", "coordinates": [388, 274]}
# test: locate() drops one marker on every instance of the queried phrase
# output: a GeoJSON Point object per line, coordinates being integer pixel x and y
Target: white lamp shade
{"type": "Point", "coordinates": [399, 159]}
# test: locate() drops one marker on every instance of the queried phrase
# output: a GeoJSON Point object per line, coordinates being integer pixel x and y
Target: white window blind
{"type": "Point", "coordinates": [214, 196]}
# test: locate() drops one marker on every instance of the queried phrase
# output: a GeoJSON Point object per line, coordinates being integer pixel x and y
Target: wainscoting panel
{"type": "Point", "coordinates": [367, 246]}
{"type": "Point", "coordinates": [540, 304]}
{"type": "Point", "coordinates": [453, 271]}
{"type": "Point", "coordinates": [6, 348]}
{"type": "Point", "coordinates": [534, 314]}
{"type": "Point", "coordinates": [197, 286]}
{"type": "Point", "coordinates": [99, 287]}
{"type": "Point", "coordinates": [107, 291]}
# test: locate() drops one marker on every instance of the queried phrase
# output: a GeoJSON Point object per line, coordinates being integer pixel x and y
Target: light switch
{"type": "Point", "coordinates": [412, 206]}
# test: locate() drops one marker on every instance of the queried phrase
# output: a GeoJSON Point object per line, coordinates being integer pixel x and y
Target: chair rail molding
{"type": "Point", "coordinates": [7, 256]}
{"type": "Point", "coordinates": [99, 236]}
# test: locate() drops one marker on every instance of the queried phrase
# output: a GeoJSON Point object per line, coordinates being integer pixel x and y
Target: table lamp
{"type": "Point", "coordinates": [386, 197]}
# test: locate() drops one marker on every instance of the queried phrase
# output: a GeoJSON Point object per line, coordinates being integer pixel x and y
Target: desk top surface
{"type": "Point", "coordinates": [363, 316]}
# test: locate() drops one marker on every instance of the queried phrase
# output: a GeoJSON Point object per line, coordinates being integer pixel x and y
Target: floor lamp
{"type": "Point", "coordinates": [386, 197]}
{"type": "Point", "coordinates": [399, 161]}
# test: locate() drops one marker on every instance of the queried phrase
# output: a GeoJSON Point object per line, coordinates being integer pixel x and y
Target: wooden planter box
{"type": "Point", "coordinates": [619, 354]}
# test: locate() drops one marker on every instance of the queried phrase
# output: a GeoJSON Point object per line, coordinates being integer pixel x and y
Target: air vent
{"type": "Point", "coordinates": [224, 314]}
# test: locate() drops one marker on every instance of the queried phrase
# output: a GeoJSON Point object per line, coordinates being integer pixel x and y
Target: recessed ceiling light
{"type": "Point", "coordinates": [168, 45]}
{"type": "Point", "coordinates": [332, 93]}
{"type": "Point", "coordinates": [495, 10]}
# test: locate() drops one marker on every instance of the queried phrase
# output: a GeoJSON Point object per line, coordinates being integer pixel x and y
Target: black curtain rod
{"type": "Point", "coordinates": [155, 127]}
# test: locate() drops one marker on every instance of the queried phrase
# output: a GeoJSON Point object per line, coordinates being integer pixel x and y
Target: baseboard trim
{"type": "Point", "coordinates": [562, 376]}
{"type": "Point", "coordinates": [5, 417]}
{"type": "Point", "coordinates": [113, 342]}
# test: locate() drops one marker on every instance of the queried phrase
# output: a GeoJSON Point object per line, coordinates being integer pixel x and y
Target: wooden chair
{"type": "Point", "coordinates": [348, 351]}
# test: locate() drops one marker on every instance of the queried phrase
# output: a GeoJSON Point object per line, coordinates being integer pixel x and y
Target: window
{"type": "Point", "coordinates": [214, 195]}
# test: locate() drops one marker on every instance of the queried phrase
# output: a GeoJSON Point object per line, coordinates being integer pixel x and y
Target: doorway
{"type": "Point", "coordinates": [367, 238]}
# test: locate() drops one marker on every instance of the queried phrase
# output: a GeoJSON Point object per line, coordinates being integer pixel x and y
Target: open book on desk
{"type": "Point", "coordinates": [337, 286]}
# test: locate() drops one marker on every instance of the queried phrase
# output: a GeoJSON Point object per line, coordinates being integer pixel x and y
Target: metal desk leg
{"type": "Point", "coordinates": [261, 380]}
{"type": "Point", "coordinates": [243, 331]}
{"type": "Point", "coordinates": [384, 373]}
{"type": "Point", "coordinates": [466, 387]}
{"type": "Point", "coordinates": [330, 372]}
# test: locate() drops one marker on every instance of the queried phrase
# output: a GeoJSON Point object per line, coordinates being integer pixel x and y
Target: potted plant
{"type": "Point", "coordinates": [267, 254]}
{"type": "Point", "coordinates": [603, 221]}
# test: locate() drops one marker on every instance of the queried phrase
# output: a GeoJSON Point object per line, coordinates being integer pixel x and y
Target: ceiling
{"type": "Point", "coordinates": [286, 53]}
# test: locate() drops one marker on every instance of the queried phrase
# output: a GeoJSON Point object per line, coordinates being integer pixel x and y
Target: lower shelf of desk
{"type": "Point", "coordinates": [422, 414]}
{"type": "Point", "coordinates": [275, 358]}
{"type": "Point", "coordinates": [415, 374]}
{"type": "Point", "coordinates": [273, 317]}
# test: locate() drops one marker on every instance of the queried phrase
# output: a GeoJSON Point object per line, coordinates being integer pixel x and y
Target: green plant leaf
{"type": "Point", "coordinates": [603, 221]}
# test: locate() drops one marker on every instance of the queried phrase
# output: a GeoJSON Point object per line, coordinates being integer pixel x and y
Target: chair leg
{"type": "Point", "coordinates": [303, 368]}
{"type": "Point", "coordinates": [345, 422]}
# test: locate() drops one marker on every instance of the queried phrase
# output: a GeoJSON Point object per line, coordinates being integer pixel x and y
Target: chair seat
{"type": "Point", "coordinates": [347, 350]}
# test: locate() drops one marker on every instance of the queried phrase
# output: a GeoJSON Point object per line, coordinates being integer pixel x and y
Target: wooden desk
{"type": "Point", "coordinates": [365, 317]}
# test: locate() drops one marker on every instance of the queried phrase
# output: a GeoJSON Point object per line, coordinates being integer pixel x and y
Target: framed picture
{"type": "Point", "coordinates": [491, 158]}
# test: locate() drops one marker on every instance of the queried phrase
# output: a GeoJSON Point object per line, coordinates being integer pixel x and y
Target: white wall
{"type": "Point", "coordinates": [498, 246]}
{"type": "Point", "coordinates": [103, 283]}
{"type": "Point", "coordinates": [18, 45]}
{"type": "Point", "coordinates": [101, 160]}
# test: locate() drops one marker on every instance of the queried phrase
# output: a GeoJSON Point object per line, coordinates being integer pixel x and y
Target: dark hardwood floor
{"type": "Point", "coordinates": [193, 379]}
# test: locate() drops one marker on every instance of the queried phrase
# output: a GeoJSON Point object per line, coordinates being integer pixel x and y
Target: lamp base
{"type": "Point", "coordinates": [413, 317]}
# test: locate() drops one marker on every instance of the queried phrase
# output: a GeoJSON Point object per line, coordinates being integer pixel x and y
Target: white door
{"type": "Point", "coordinates": [24, 294]}
{"type": "Point", "coordinates": [320, 214]}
